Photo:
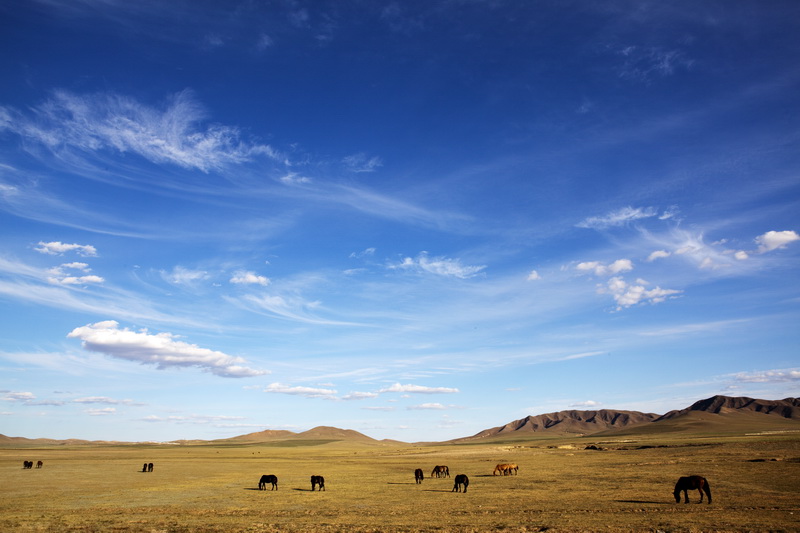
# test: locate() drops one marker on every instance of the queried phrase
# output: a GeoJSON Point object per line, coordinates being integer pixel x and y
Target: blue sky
{"type": "Point", "coordinates": [417, 220]}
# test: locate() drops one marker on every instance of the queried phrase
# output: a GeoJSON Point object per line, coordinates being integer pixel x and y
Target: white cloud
{"type": "Point", "coordinates": [588, 403]}
{"type": "Point", "coordinates": [60, 277]}
{"type": "Point", "coordinates": [105, 411]}
{"type": "Point", "coordinates": [60, 248]}
{"type": "Point", "coordinates": [658, 254]}
{"type": "Point", "coordinates": [362, 163]}
{"type": "Point", "coordinates": [360, 396]}
{"type": "Point", "coordinates": [184, 276]}
{"type": "Point", "coordinates": [741, 255]}
{"type": "Point", "coordinates": [600, 269]}
{"type": "Point", "coordinates": [160, 349]}
{"type": "Point", "coordinates": [368, 252]}
{"type": "Point", "coordinates": [769, 376]}
{"type": "Point", "coordinates": [418, 389]}
{"type": "Point", "coordinates": [627, 295]}
{"type": "Point", "coordinates": [19, 396]}
{"type": "Point", "coordinates": [249, 278]}
{"type": "Point", "coordinates": [533, 276]}
{"type": "Point", "coordinates": [308, 392]}
{"type": "Point", "coordinates": [773, 240]}
{"type": "Point", "coordinates": [619, 217]}
{"type": "Point", "coordinates": [293, 178]}
{"type": "Point", "coordinates": [102, 400]}
{"type": "Point", "coordinates": [440, 266]}
{"type": "Point", "coordinates": [427, 406]}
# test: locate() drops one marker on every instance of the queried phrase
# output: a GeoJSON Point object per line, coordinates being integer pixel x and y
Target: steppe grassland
{"type": "Point", "coordinates": [560, 487]}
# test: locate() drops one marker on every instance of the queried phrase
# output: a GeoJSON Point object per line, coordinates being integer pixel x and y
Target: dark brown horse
{"type": "Point", "coordinates": [39, 464]}
{"type": "Point", "coordinates": [418, 475]}
{"type": "Point", "coordinates": [317, 481]}
{"type": "Point", "coordinates": [27, 464]}
{"type": "Point", "coordinates": [440, 471]}
{"type": "Point", "coordinates": [688, 483]}
{"type": "Point", "coordinates": [268, 478]}
{"type": "Point", "coordinates": [149, 467]}
{"type": "Point", "coordinates": [461, 481]}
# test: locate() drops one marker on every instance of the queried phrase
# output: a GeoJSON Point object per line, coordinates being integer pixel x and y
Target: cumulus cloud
{"type": "Point", "coordinates": [60, 276]}
{"type": "Point", "coordinates": [308, 392]}
{"type": "Point", "coordinates": [60, 248]}
{"type": "Point", "coordinates": [440, 266]}
{"type": "Point", "coordinates": [774, 240]}
{"type": "Point", "coordinates": [104, 411]}
{"type": "Point", "coordinates": [161, 349]}
{"type": "Point", "coordinates": [533, 276]}
{"type": "Point", "coordinates": [10, 396]}
{"type": "Point", "coordinates": [619, 217]}
{"type": "Point", "coordinates": [588, 403]}
{"type": "Point", "coordinates": [418, 389]}
{"type": "Point", "coordinates": [600, 269]}
{"type": "Point", "coordinates": [249, 278]}
{"type": "Point", "coordinates": [628, 294]}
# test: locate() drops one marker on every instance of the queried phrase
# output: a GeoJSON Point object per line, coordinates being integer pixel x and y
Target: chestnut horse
{"type": "Point", "coordinates": [440, 471]}
{"type": "Point", "coordinates": [688, 483]}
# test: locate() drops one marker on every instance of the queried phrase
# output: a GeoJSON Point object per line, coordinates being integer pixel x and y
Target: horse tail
{"type": "Point", "coordinates": [707, 489]}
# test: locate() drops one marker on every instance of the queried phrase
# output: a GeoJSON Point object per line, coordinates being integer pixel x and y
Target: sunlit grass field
{"type": "Point", "coordinates": [561, 486]}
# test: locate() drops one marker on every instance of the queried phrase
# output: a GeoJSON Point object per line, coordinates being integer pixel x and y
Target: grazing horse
{"type": "Point", "coordinates": [440, 471]}
{"type": "Point", "coordinates": [317, 481]}
{"type": "Point", "coordinates": [39, 464]}
{"type": "Point", "coordinates": [144, 467]}
{"type": "Point", "coordinates": [461, 481]}
{"type": "Point", "coordinates": [688, 483]}
{"type": "Point", "coordinates": [268, 478]}
{"type": "Point", "coordinates": [505, 469]}
{"type": "Point", "coordinates": [27, 464]}
{"type": "Point", "coordinates": [149, 467]}
{"type": "Point", "coordinates": [418, 475]}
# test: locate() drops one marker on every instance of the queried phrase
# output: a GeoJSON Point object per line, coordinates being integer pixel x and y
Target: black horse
{"type": "Point", "coordinates": [27, 464]}
{"type": "Point", "coordinates": [317, 481]}
{"type": "Point", "coordinates": [268, 478]}
{"type": "Point", "coordinates": [144, 467]}
{"type": "Point", "coordinates": [688, 483]}
{"type": "Point", "coordinates": [461, 481]}
{"type": "Point", "coordinates": [418, 475]}
{"type": "Point", "coordinates": [149, 467]}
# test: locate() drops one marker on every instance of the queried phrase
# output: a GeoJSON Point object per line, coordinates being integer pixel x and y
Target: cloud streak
{"type": "Point", "coordinates": [161, 349]}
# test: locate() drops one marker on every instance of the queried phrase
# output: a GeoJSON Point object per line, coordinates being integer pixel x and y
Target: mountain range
{"type": "Point", "coordinates": [718, 414]}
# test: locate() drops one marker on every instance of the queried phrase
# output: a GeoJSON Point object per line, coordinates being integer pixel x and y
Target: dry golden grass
{"type": "Point", "coordinates": [560, 487]}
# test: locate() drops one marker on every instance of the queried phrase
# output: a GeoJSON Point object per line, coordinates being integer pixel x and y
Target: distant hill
{"type": "Point", "coordinates": [567, 422]}
{"type": "Point", "coordinates": [717, 413]}
{"type": "Point", "coordinates": [786, 408]}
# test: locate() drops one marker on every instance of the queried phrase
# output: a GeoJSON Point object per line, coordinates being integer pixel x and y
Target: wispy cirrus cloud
{"type": "Point", "coordinates": [161, 349]}
{"type": "Point", "coordinates": [418, 389]}
{"type": "Point", "coordinates": [173, 133]}
{"type": "Point", "coordinates": [308, 392]}
{"type": "Point", "coordinates": [619, 217]}
{"type": "Point", "coordinates": [441, 266]}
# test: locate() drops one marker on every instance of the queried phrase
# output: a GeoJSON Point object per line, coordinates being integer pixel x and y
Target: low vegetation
{"type": "Point", "coordinates": [620, 484]}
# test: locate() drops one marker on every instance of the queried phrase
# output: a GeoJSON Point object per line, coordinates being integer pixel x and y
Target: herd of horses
{"type": "Point", "coordinates": [461, 481]}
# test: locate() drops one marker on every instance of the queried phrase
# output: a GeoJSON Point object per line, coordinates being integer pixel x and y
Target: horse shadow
{"type": "Point", "coordinates": [644, 501]}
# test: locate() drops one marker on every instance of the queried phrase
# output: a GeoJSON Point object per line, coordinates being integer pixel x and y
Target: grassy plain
{"type": "Point", "coordinates": [561, 486]}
